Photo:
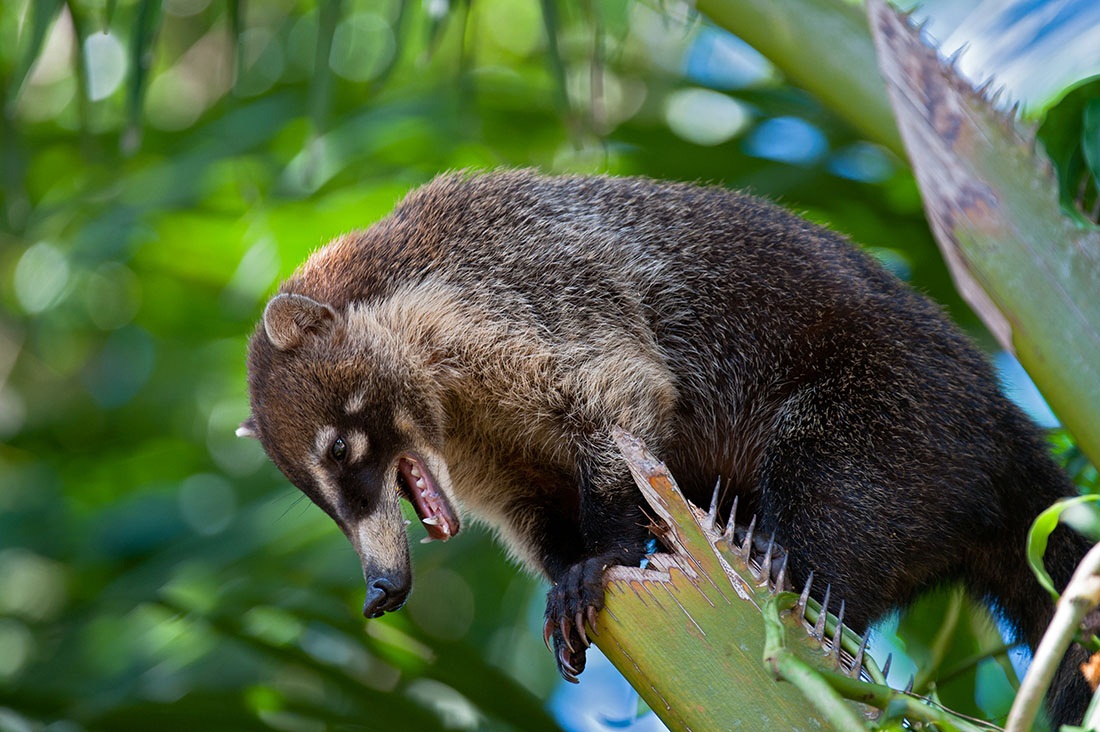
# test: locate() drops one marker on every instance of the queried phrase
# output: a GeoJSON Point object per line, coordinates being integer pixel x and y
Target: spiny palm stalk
{"type": "Point", "coordinates": [705, 631]}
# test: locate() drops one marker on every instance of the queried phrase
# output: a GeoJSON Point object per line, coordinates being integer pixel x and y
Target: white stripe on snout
{"type": "Point", "coordinates": [367, 533]}
{"type": "Point", "coordinates": [380, 538]}
{"type": "Point", "coordinates": [330, 492]}
{"type": "Point", "coordinates": [355, 404]}
{"type": "Point", "coordinates": [322, 442]}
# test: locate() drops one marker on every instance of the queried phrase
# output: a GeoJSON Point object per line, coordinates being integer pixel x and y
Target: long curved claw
{"type": "Point", "coordinates": [565, 633]}
{"type": "Point", "coordinates": [579, 620]}
{"type": "Point", "coordinates": [572, 606]}
{"type": "Point", "coordinates": [568, 671]}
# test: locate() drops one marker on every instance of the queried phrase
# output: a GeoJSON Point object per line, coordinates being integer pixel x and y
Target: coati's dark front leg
{"type": "Point", "coordinates": [613, 531]}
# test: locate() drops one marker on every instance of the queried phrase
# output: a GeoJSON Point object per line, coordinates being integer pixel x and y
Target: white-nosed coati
{"type": "Point", "coordinates": [471, 352]}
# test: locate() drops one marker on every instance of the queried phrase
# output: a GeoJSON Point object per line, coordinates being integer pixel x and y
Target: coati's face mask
{"type": "Point", "coordinates": [346, 417]}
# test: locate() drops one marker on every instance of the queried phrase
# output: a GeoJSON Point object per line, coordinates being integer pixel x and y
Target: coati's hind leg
{"type": "Point", "coordinates": [829, 541]}
{"type": "Point", "coordinates": [843, 515]}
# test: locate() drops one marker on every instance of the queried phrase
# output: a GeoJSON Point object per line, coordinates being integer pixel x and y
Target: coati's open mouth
{"type": "Point", "coordinates": [420, 488]}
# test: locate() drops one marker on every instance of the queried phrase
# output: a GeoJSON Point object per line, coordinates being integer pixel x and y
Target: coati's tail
{"type": "Point", "coordinates": [1069, 693]}
{"type": "Point", "coordinates": [1036, 483]}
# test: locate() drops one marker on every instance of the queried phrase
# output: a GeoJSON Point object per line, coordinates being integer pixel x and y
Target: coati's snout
{"type": "Point", "coordinates": [379, 536]}
{"type": "Point", "coordinates": [384, 594]}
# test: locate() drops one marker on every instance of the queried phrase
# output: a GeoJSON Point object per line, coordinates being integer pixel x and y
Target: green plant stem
{"type": "Point", "coordinates": [832, 691]}
{"type": "Point", "coordinates": [786, 666]}
{"type": "Point", "coordinates": [1081, 595]}
{"type": "Point", "coordinates": [999, 652]}
{"type": "Point", "coordinates": [941, 643]}
{"type": "Point", "coordinates": [900, 704]}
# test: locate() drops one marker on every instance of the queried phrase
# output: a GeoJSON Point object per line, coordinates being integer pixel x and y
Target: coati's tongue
{"type": "Point", "coordinates": [431, 505]}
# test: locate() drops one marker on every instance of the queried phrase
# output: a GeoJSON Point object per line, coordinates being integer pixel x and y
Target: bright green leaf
{"type": "Point", "coordinates": [1040, 532]}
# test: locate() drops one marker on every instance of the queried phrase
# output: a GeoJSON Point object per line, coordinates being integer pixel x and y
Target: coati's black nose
{"type": "Point", "coordinates": [383, 595]}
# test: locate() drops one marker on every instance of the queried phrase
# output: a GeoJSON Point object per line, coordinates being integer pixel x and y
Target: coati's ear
{"type": "Point", "coordinates": [248, 429]}
{"type": "Point", "coordinates": [290, 319]}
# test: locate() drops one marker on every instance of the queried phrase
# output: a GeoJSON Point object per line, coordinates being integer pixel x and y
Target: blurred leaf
{"type": "Point", "coordinates": [1085, 520]}
{"type": "Point", "coordinates": [142, 42]}
{"type": "Point", "coordinates": [554, 59]}
{"type": "Point", "coordinates": [957, 647]}
{"type": "Point", "coordinates": [236, 26]}
{"type": "Point", "coordinates": [109, 13]}
{"type": "Point", "coordinates": [81, 69]}
{"type": "Point", "coordinates": [43, 14]}
{"type": "Point", "coordinates": [1072, 147]}
{"type": "Point", "coordinates": [1090, 137]}
{"type": "Point", "coordinates": [320, 90]}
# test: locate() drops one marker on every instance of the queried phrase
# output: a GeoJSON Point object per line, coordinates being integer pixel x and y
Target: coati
{"type": "Point", "coordinates": [471, 352]}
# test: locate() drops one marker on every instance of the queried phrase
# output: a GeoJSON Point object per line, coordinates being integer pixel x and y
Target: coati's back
{"type": "Point", "coordinates": [745, 302]}
{"type": "Point", "coordinates": [740, 341]}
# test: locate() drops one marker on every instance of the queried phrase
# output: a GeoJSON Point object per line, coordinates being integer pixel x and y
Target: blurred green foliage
{"type": "Point", "coordinates": [163, 165]}
{"type": "Point", "coordinates": [1071, 136]}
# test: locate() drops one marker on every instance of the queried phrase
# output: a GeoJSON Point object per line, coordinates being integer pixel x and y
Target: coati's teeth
{"type": "Point", "coordinates": [427, 540]}
{"type": "Point", "coordinates": [433, 520]}
{"type": "Point", "coordinates": [407, 522]}
{"type": "Point", "coordinates": [414, 471]}
{"type": "Point", "coordinates": [420, 483]}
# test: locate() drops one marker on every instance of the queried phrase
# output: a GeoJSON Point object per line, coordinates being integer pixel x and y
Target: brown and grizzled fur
{"type": "Point", "coordinates": [496, 326]}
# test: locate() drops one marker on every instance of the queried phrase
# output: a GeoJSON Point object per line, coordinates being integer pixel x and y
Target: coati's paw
{"type": "Point", "coordinates": [570, 604]}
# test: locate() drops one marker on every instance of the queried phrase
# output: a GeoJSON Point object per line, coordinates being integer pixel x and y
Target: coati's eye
{"type": "Point", "coordinates": [339, 450]}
